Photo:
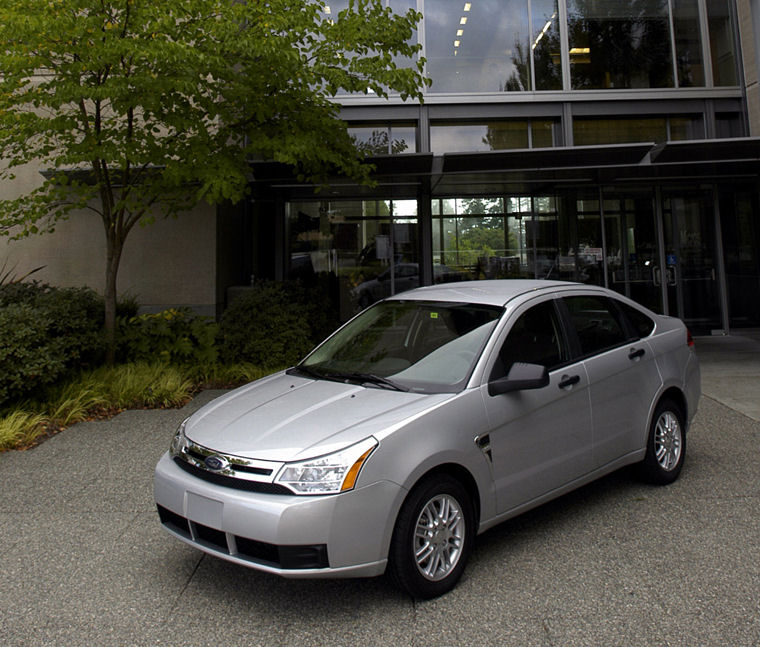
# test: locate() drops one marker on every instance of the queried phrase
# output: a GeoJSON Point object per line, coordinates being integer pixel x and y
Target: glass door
{"type": "Point", "coordinates": [632, 263]}
{"type": "Point", "coordinates": [363, 250]}
{"type": "Point", "coordinates": [690, 268]}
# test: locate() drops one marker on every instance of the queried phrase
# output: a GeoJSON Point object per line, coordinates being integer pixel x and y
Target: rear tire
{"type": "Point", "coordinates": [433, 537]}
{"type": "Point", "coordinates": [666, 445]}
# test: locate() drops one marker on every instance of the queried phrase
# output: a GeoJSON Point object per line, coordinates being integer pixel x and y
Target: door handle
{"type": "Point", "coordinates": [567, 381]}
{"type": "Point", "coordinates": [635, 354]}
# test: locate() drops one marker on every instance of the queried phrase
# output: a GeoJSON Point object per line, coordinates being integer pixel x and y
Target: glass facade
{"type": "Point", "coordinates": [384, 139]}
{"type": "Point", "coordinates": [490, 46]}
{"type": "Point", "coordinates": [688, 43]}
{"type": "Point", "coordinates": [622, 130]}
{"type": "Point", "coordinates": [722, 42]}
{"type": "Point", "coordinates": [646, 229]}
{"type": "Point", "coordinates": [370, 246]}
{"type": "Point", "coordinates": [492, 136]}
{"type": "Point", "coordinates": [478, 46]}
{"type": "Point", "coordinates": [619, 44]}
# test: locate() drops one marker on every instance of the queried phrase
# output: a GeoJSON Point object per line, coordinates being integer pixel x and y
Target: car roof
{"type": "Point", "coordinates": [489, 292]}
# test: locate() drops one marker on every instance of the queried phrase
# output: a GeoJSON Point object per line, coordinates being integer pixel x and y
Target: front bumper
{"type": "Point", "coordinates": [342, 535]}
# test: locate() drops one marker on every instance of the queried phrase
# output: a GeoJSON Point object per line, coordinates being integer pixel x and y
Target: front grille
{"type": "Point", "coordinates": [174, 521]}
{"type": "Point", "coordinates": [249, 469]}
{"type": "Point", "coordinates": [231, 481]}
{"type": "Point", "coordinates": [211, 537]}
{"type": "Point", "coordinates": [257, 552]}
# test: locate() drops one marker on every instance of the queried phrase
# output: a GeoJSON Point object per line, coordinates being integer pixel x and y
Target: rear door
{"type": "Point", "coordinates": [539, 439]}
{"type": "Point", "coordinates": [622, 373]}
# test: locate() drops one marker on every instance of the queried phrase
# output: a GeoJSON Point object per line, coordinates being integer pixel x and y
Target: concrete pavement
{"type": "Point", "coordinates": [83, 560]}
{"type": "Point", "coordinates": [731, 371]}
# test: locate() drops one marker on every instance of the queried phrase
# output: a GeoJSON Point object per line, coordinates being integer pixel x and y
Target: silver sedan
{"type": "Point", "coordinates": [425, 420]}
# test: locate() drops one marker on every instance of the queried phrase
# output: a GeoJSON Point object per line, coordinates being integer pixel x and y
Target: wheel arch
{"type": "Point", "coordinates": [461, 474]}
{"type": "Point", "coordinates": [679, 398]}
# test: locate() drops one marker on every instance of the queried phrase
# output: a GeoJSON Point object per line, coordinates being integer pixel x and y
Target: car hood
{"type": "Point", "coordinates": [287, 417]}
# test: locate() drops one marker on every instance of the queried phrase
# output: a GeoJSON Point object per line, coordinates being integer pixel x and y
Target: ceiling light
{"type": "Point", "coordinates": [580, 50]}
{"type": "Point", "coordinates": [463, 20]}
{"type": "Point", "coordinates": [467, 6]}
{"type": "Point", "coordinates": [456, 43]}
{"type": "Point", "coordinates": [460, 32]}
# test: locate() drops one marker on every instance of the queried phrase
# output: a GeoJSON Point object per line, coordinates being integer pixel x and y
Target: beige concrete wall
{"type": "Point", "coordinates": [750, 44]}
{"type": "Point", "coordinates": [169, 263]}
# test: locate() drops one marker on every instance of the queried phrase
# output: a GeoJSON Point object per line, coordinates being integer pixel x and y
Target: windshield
{"type": "Point", "coordinates": [420, 346]}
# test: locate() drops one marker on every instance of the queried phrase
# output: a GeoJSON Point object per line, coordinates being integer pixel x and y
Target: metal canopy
{"type": "Point", "coordinates": [572, 157]}
{"type": "Point", "coordinates": [707, 150]}
{"type": "Point", "coordinates": [528, 169]}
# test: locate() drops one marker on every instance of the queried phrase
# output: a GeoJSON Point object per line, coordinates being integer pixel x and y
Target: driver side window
{"type": "Point", "coordinates": [535, 338]}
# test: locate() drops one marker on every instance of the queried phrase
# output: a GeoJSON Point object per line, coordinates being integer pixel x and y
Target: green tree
{"type": "Point", "coordinates": [143, 108]}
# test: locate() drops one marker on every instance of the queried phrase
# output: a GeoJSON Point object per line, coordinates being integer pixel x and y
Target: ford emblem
{"type": "Point", "coordinates": [216, 463]}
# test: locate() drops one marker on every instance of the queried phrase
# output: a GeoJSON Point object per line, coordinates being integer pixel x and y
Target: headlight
{"type": "Point", "coordinates": [179, 442]}
{"type": "Point", "coordinates": [328, 474]}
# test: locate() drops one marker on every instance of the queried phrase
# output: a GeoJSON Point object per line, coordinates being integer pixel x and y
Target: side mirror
{"type": "Point", "coordinates": [520, 377]}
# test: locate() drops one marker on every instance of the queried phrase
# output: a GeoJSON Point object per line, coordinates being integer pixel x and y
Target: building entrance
{"type": "Point", "coordinates": [690, 269]}
{"type": "Point", "coordinates": [657, 246]}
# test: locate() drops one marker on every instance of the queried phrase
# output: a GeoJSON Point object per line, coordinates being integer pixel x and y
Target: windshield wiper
{"type": "Point", "coordinates": [308, 372]}
{"type": "Point", "coordinates": [370, 378]}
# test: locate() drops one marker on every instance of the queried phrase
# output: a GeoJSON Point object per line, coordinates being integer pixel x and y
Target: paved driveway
{"type": "Point", "coordinates": [83, 559]}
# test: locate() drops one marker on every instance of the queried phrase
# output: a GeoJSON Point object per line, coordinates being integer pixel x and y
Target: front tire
{"type": "Point", "coordinates": [433, 537]}
{"type": "Point", "coordinates": [666, 445]}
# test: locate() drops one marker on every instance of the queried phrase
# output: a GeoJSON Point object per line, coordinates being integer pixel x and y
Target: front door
{"type": "Point", "coordinates": [539, 439]}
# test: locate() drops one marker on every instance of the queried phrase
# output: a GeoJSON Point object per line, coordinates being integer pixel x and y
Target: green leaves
{"type": "Point", "coordinates": [140, 109]}
{"type": "Point", "coordinates": [189, 89]}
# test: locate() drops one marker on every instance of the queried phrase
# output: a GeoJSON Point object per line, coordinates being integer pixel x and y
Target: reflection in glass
{"type": "Point", "coordinates": [587, 132]}
{"type": "Point", "coordinates": [331, 8]}
{"type": "Point", "coordinates": [366, 250]}
{"type": "Point", "coordinates": [682, 128]}
{"type": "Point", "coordinates": [721, 43]}
{"type": "Point", "coordinates": [384, 139]}
{"type": "Point", "coordinates": [491, 136]}
{"type": "Point", "coordinates": [545, 45]}
{"type": "Point", "coordinates": [544, 133]}
{"type": "Point", "coordinates": [484, 49]}
{"type": "Point", "coordinates": [419, 346]}
{"type": "Point", "coordinates": [631, 237]}
{"type": "Point", "coordinates": [482, 238]}
{"type": "Point", "coordinates": [688, 43]}
{"type": "Point", "coordinates": [619, 44]}
{"type": "Point", "coordinates": [623, 130]}
{"type": "Point", "coordinates": [741, 244]}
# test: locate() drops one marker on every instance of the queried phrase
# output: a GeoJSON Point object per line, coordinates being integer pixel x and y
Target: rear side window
{"type": "Point", "coordinates": [596, 322]}
{"type": "Point", "coordinates": [642, 324]}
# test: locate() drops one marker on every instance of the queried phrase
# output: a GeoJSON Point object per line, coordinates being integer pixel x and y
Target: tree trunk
{"type": "Point", "coordinates": [114, 247]}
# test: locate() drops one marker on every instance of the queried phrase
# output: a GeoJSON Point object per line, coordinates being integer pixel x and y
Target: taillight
{"type": "Point", "coordinates": [689, 339]}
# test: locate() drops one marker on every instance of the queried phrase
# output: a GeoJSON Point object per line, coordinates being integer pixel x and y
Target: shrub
{"type": "Point", "coordinates": [142, 384]}
{"type": "Point", "coordinates": [270, 326]}
{"type": "Point", "coordinates": [176, 335]}
{"type": "Point", "coordinates": [28, 358]}
{"type": "Point", "coordinates": [20, 429]}
{"type": "Point", "coordinates": [46, 331]}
